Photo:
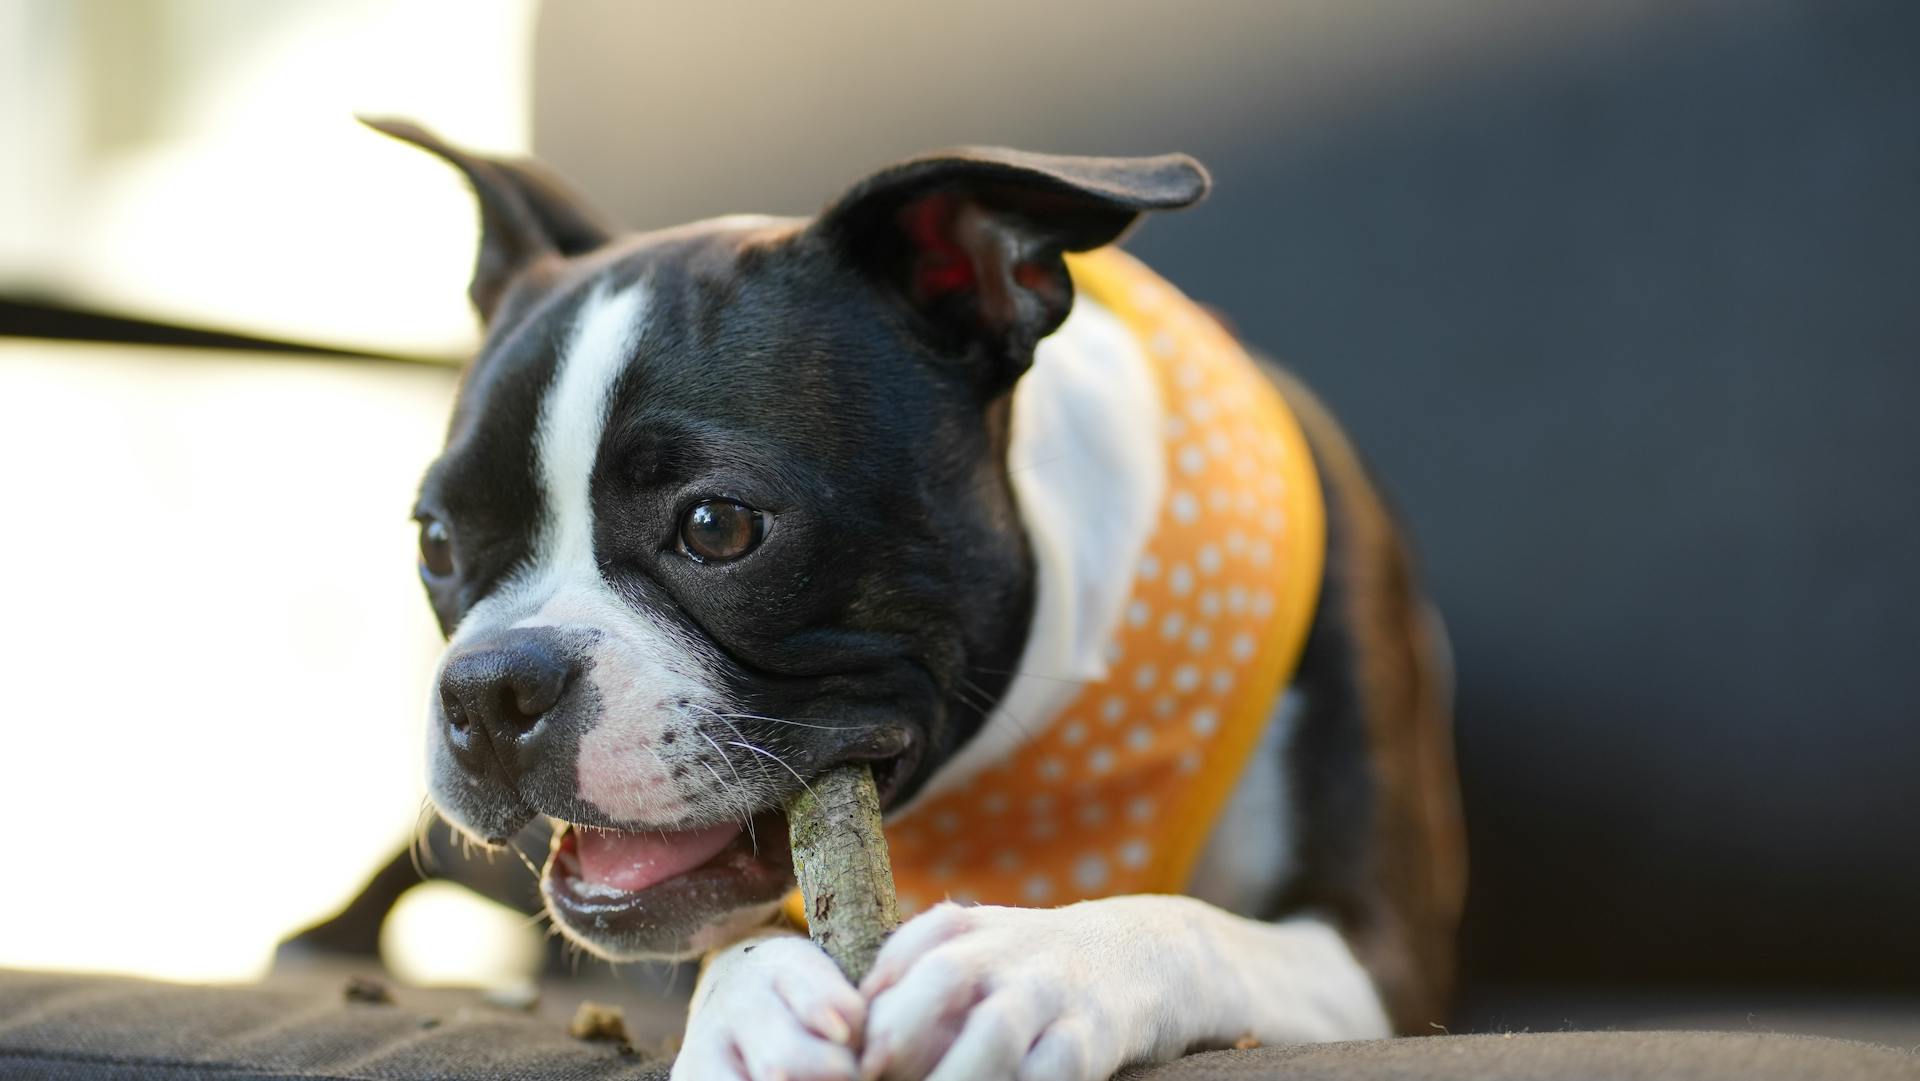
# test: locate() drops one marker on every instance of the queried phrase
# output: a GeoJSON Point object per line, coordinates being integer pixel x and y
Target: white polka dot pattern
{"type": "Point", "coordinates": [1115, 793]}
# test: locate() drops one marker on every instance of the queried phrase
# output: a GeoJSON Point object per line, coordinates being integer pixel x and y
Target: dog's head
{"type": "Point", "coordinates": [726, 505]}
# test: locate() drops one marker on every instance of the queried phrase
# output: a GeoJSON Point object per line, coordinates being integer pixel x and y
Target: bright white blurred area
{"type": "Point", "coordinates": [440, 935]}
{"type": "Point", "coordinates": [198, 161]}
{"type": "Point", "coordinates": [216, 651]}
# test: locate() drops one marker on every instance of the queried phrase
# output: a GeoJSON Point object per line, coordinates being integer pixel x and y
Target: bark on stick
{"type": "Point", "coordinates": [840, 857]}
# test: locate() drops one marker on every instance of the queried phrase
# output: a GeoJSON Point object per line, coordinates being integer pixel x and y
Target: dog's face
{"type": "Point", "coordinates": [724, 506]}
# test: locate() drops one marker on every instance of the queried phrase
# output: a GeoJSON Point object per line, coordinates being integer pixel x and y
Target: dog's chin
{"type": "Point", "coordinates": [665, 895]}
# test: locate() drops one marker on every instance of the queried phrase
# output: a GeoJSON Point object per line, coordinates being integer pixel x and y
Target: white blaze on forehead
{"type": "Point", "coordinates": [574, 417]}
{"type": "Point", "coordinates": [572, 420]}
{"type": "Point", "coordinates": [605, 335]}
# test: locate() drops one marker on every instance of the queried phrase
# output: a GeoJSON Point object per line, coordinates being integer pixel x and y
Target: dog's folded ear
{"type": "Point", "coordinates": [971, 239]}
{"type": "Point", "coordinates": [526, 213]}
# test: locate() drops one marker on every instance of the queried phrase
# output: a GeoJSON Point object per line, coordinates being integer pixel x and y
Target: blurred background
{"type": "Point", "coordinates": [1622, 297]}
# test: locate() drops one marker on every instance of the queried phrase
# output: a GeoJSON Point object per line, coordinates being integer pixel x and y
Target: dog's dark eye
{"type": "Point", "coordinates": [436, 548]}
{"type": "Point", "coordinates": [717, 530]}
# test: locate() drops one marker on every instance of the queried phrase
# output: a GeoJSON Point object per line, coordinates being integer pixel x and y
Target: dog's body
{"type": "Point", "coordinates": [727, 505]}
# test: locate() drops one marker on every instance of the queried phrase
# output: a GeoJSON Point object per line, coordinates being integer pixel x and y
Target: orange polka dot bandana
{"type": "Point", "coordinates": [1119, 791]}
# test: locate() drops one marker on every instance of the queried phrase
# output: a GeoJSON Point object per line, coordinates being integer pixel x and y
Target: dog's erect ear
{"type": "Point", "coordinates": [526, 213]}
{"type": "Point", "coordinates": [972, 238]}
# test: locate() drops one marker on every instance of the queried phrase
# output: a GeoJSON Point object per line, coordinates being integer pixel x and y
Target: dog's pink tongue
{"type": "Point", "coordinates": [633, 861]}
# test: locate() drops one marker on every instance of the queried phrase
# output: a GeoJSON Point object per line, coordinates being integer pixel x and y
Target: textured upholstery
{"type": "Point", "coordinates": [1548, 1056]}
{"type": "Point", "coordinates": [59, 1026]}
{"type": "Point", "coordinates": [76, 1026]}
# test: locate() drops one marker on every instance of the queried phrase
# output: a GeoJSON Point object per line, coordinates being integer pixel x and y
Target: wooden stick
{"type": "Point", "coordinates": [840, 857]}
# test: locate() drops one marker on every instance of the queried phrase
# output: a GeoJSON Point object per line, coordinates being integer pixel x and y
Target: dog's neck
{"type": "Point", "coordinates": [1088, 471]}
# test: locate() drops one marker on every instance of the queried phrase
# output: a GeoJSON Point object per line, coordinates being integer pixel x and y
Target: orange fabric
{"type": "Point", "coordinates": [1119, 792]}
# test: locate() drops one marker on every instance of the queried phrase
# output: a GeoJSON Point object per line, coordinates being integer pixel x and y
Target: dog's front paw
{"type": "Point", "coordinates": [977, 992]}
{"type": "Point", "coordinates": [772, 1009]}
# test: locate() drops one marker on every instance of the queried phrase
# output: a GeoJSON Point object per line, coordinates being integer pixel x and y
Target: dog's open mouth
{"type": "Point", "coordinates": [624, 893]}
{"type": "Point", "coordinates": [602, 862]}
{"type": "Point", "coordinates": [634, 893]}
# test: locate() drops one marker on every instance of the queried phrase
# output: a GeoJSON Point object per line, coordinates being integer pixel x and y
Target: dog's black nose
{"type": "Point", "coordinates": [496, 696]}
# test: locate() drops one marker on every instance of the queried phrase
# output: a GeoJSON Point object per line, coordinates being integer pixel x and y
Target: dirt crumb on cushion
{"type": "Point", "coordinates": [367, 990]}
{"type": "Point", "coordinates": [599, 1021]}
{"type": "Point", "coordinates": [1246, 1043]}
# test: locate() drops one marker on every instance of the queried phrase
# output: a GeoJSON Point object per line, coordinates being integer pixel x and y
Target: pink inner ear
{"type": "Point", "coordinates": [1033, 276]}
{"type": "Point", "coordinates": [942, 265]}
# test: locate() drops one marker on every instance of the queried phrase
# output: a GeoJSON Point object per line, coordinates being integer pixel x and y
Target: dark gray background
{"type": "Point", "coordinates": [1621, 299]}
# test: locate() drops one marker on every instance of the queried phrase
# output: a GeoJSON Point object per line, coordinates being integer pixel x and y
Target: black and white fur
{"type": "Point", "coordinates": [958, 487]}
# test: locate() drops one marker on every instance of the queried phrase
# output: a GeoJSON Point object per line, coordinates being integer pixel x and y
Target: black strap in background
{"type": "Point", "coordinates": [36, 318]}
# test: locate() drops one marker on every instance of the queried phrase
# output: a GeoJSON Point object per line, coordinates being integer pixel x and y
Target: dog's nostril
{"type": "Point", "coordinates": [521, 707]}
{"type": "Point", "coordinates": [536, 693]}
{"type": "Point", "coordinates": [453, 710]}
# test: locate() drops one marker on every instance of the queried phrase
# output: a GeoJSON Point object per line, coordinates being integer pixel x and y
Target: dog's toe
{"type": "Point", "coordinates": [777, 1009]}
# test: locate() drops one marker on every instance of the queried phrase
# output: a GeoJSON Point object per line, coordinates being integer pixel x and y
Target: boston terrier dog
{"type": "Point", "coordinates": [941, 482]}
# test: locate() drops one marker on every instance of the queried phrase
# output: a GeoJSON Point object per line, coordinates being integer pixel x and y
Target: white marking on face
{"type": "Point", "coordinates": [574, 417]}
{"type": "Point", "coordinates": [642, 667]}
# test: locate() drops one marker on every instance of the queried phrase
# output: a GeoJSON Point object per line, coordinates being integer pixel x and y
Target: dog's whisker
{"type": "Point", "coordinates": [743, 715]}
{"type": "Point", "coordinates": [974, 695]}
{"type": "Point", "coordinates": [737, 780]}
{"type": "Point", "coordinates": [796, 724]}
{"type": "Point", "coordinates": [525, 861]}
{"type": "Point", "coordinates": [729, 803]}
{"type": "Point", "coordinates": [736, 805]}
{"type": "Point", "coordinates": [740, 785]}
{"type": "Point", "coordinates": [419, 840]}
{"type": "Point", "coordinates": [993, 703]}
{"type": "Point", "coordinates": [724, 802]}
{"type": "Point", "coordinates": [465, 842]}
{"type": "Point", "coordinates": [1007, 473]}
{"type": "Point", "coordinates": [719, 783]}
{"type": "Point", "coordinates": [723, 718]}
{"type": "Point", "coordinates": [964, 698]}
{"type": "Point", "coordinates": [744, 742]}
{"type": "Point", "coordinates": [777, 760]}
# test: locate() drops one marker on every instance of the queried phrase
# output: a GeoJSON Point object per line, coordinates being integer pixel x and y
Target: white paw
{"type": "Point", "coordinates": [987, 992]}
{"type": "Point", "coordinates": [772, 1009]}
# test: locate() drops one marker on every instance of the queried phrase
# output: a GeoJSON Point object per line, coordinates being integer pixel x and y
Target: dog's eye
{"type": "Point", "coordinates": [717, 530]}
{"type": "Point", "coordinates": [436, 548]}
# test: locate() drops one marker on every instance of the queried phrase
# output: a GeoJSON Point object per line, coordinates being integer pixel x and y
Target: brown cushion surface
{"type": "Point", "coordinates": [61, 1026]}
{"type": "Point", "coordinates": [1560, 1056]}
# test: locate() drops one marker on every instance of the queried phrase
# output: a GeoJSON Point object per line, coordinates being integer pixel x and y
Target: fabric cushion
{"type": "Point", "coordinates": [1552, 1056]}
{"type": "Point", "coordinates": [62, 1026]}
